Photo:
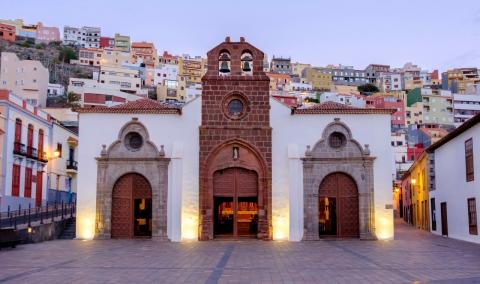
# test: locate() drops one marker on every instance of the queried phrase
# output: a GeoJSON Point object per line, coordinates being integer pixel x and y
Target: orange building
{"type": "Point", "coordinates": [7, 32]}
{"type": "Point", "coordinates": [279, 82]}
{"type": "Point", "coordinates": [145, 51]}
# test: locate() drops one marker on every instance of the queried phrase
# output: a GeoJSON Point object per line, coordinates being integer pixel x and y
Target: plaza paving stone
{"type": "Point", "coordinates": [414, 256]}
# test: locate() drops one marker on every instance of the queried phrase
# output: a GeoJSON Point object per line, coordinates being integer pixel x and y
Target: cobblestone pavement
{"type": "Point", "coordinates": [415, 256]}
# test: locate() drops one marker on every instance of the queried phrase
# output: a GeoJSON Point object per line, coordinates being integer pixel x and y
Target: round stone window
{"type": "Point", "coordinates": [133, 141]}
{"type": "Point", "coordinates": [235, 108]}
{"type": "Point", "coordinates": [337, 140]}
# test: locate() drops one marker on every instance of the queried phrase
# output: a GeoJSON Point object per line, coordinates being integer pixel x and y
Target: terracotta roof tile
{"type": "Point", "coordinates": [138, 106]}
{"type": "Point", "coordinates": [338, 108]}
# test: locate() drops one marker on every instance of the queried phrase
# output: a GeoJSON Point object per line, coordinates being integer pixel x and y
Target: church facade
{"type": "Point", "coordinates": [234, 163]}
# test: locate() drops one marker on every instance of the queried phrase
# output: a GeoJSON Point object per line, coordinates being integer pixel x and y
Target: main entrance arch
{"type": "Point", "coordinates": [235, 192]}
{"type": "Point", "coordinates": [338, 206]}
{"type": "Point", "coordinates": [131, 207]}
{"type": "Point", "coordinates": [235, 195]}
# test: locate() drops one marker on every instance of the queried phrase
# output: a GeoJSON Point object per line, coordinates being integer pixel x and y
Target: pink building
{"type": "Point", "coordinates": [47, 34]}
{"type": "Point", "coordinates": [390, 102]}
{"type": "Point", "coordinates": [290, 101]}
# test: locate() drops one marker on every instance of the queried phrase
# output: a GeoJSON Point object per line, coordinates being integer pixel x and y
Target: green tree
{"type": "Point", "coordinates": [70, 100]}
{"type": "Point", "coordinates": [66, 54]}
{"type": "Point", "coordinates": [368, 88]}
{"type": "Point", "coordinates": [311, 100]}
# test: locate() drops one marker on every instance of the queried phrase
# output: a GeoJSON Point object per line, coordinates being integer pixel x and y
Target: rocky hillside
{"type": "Point", "coordinates": [54, 57]}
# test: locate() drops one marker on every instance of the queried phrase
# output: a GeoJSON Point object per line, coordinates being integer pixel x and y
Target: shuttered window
{"type": "Point", "coordinates": [469, 159]}
{"type": "Point", "coordinates": [472, 216]}
{"type": "Point", "coordinates": [28, 183]}
{"type": "Point", "coordinates": [16, 180]}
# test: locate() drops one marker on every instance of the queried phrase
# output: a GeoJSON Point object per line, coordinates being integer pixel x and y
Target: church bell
{"type": "Point", "coordinates": [224, 67]}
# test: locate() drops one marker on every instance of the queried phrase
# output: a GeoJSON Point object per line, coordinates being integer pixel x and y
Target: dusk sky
{"type": "Point", "coordinates": [431, 33]}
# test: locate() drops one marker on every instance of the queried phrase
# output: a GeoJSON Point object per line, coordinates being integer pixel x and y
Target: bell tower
{"type": "Point", "coordinates": [235, 144]}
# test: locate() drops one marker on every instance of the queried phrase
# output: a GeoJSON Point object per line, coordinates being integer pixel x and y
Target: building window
{"type": "Point", "coordinates": [469, 160]}
{"type": "Point", "coordinates": [18, 130]}
{"type": "Point", "coordinates": [337, 140]}
{"type": "Point", "coordinates": [434, 217]}
{"type": "Point", "coordinates": [28, 183]}
{"type": "Point", "coordinates": [472, 216]}
{"type": "Point", "coordinates": [16, 180]}
{"type": "Point", "coordinates": [59, 150]}
{"type": "Point", "coordinates": [133, 141]}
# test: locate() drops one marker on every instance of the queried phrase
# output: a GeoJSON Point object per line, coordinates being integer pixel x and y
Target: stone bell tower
{"type": "Point", "coordinates": [235, 143]}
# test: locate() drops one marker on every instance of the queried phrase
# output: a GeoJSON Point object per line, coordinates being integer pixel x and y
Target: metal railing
{"type": "Point", "coordinates": [42, 157]}
{"type": "Point", "coordinates": [72, 165]}
{"type": "Point", "coordinates": [19, 149]}
{"type": "Point", "coordinates": [26, 216]}
{"type": "Point", "coordinates": [32, 152]}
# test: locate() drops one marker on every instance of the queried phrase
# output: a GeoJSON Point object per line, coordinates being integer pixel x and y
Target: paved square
{"type": "Point", "coordinates": [414, 256]}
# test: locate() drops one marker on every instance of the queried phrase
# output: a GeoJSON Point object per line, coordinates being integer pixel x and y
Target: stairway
{"type": "Point", "coordinates": [69, 230]}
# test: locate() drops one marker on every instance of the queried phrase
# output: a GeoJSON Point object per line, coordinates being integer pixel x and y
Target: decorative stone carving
{"type": "Point", "coordinates": [116, 161]}
{"type": "Point", "coordinates": [350, 159]}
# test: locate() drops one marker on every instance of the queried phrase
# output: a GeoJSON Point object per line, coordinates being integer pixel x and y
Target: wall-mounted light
{"type": "Point", "coordinates": [413, 181]}
{"type": "Point", "coordinates": [29, 230]}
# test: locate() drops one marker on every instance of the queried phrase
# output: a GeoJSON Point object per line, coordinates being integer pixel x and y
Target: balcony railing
{"type": "Point", "coordinates": [19, 149]}
{"type": "Point", "coordinates": [32, 152]}
{"type": "Point", "coordinates": [72, 165]}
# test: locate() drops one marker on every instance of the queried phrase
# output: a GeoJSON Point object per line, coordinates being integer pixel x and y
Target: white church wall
{"type": "Point", "coordinates": [172, 131]}
{"type": "Point", "coordinates": [290, 136]}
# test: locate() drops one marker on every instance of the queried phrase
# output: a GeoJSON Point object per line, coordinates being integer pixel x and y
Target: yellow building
{"type": "Point", "coordinates": [297, 68]}
{"type": "Point", "coordinates": [320, 80]}
{"type": "Point", "coordinates": [171, 90]}
{"type": "Point", "coordinates": [418, 191]}
{"type": "Point", "coordinates": [115, 57]}
{"type": "Point", "coordinates": [414, 114]}
{"type": "Point", "coordinates": [122, 42]}
{"type": "Point", "coordinates": [191, 69]}
{"type": "Point", "coordinates": [344, 89]}
{"type": "Point", "coordinates": [460, 80]}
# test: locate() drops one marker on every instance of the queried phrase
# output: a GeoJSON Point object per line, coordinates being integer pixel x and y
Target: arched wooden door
{"type": "Point", "coordinates": [235, 199]}
{"type": "Point", "coordinates": [131, 207]}
{"type": "Point", "coordinates": [338, 206]}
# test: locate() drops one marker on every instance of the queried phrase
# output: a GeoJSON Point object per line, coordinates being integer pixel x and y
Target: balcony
{"type": "Point", "coordinates": [19, 149]}
{"type": "Point", "coordinates": [32, 153]}
{"type": "Point", "coordinates": [72, 166]}
{"type": "Point", "coordinates": [42, 157]}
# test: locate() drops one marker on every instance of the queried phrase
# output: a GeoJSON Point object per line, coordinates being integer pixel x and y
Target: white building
{"type": "Point", "coordinates": [55, 90]}
{"type": "Point", "coordinates": [25, 78]}
{"type": "Point", "coordinates": [126, 79]}
{"type": "Point", "coordinates": [354, 100]}
{"type": "Point", "coordinates": [402, 163]}
{"type": "Point", "coordinates": [165, 71]}
{"type": "Point", "coordinates": [193, 91]}
{"type": "Point", "coordinates": [185, 162]}
{"type": "Point", "coordinates": [298, 86]}
{"type": "Point", "coordinates": [456, 197]}
{"type": "Point", "coordinates": [92, 92]}
{"type": "Point", "coordinates": [465, 107]}
{"type": "Point", "coordinates": [87, 37]}
{"type": "Point", "coordinates": [62, 168]}
{"type": "Point", "coordinates": [25, 142]}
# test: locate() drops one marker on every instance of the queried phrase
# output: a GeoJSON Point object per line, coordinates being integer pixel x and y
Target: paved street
{"type": "Point", "coordinates": [413, 256]}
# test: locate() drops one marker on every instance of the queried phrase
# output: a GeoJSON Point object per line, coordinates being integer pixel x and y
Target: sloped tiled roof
{"type": "Point", "coordinates": [140, 106]}
{"type": "Point", "coordinates": [338, 108]}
